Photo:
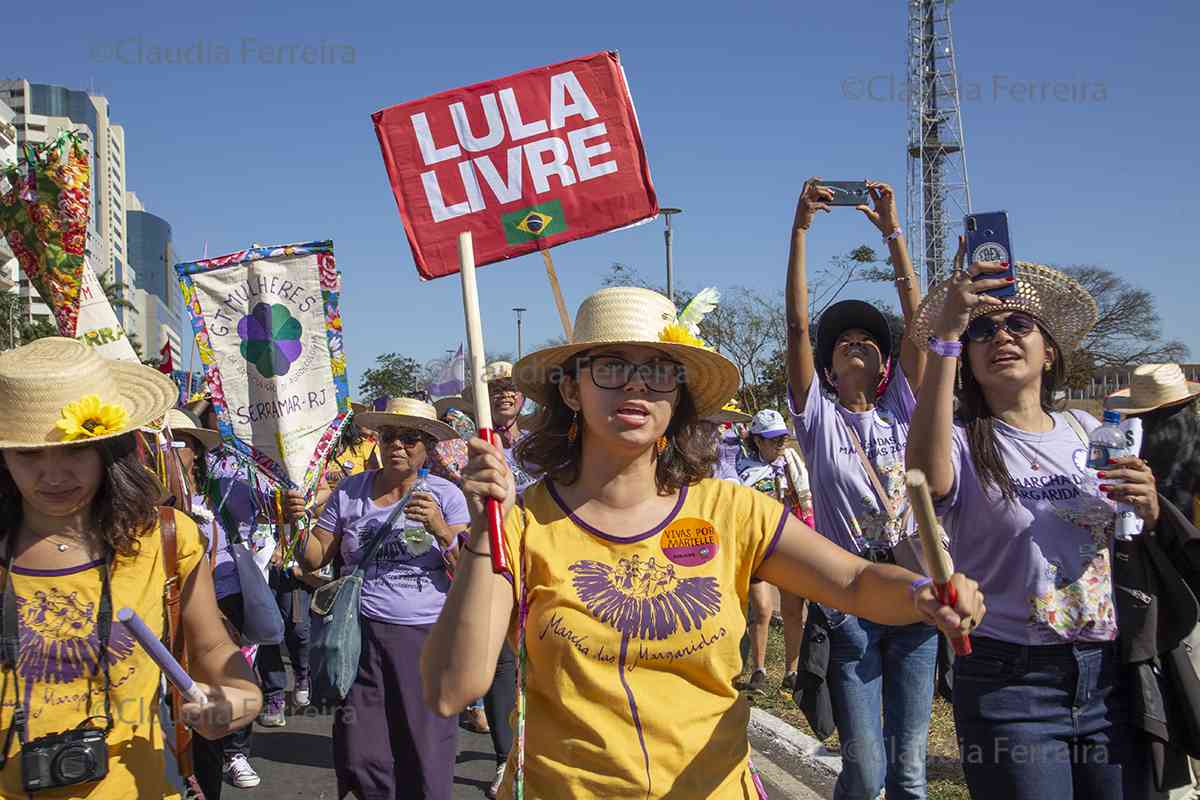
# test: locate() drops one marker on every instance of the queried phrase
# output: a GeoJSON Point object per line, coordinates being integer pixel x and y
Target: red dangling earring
{"type": "Point", "coordinates": [573, 430]}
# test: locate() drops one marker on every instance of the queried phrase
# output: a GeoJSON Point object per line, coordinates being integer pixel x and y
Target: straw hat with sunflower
{"type": "Point", "coordinates": [630, 315]}
{"type": "Point", "coordinates": [58, 391]}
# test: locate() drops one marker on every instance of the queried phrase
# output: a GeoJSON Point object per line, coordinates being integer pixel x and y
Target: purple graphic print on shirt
{"type": "Point", "coordinates": [644, 601]}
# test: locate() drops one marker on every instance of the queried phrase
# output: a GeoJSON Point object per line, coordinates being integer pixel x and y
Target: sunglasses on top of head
{"type": "Point", "coordinates": [405, 436]}
{"type": "Point", "coordinates": [984, 329]}
{"type": "Point", "coordinates": [613, 372]}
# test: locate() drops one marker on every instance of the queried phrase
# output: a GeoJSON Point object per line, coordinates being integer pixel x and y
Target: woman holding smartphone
{"type": "Point", "coordinates": [853, 437]}
{"type": "Point", "coordinates": [1042, 706]}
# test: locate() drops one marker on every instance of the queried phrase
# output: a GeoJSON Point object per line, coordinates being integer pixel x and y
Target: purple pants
{"type": "Point", "coordinates": [387, 743]}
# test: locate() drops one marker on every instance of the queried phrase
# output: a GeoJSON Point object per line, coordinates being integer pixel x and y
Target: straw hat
{"type": "Point", "coordinates": [405, 412]}
{"type": "Point", "coordinates": [457, 401]}
{"type": "Point", "coordinates": [629, 315]}
{"type": "Point", "coordinates": [178, 422]}
{"type": "Point", "coordinates": [730, 412]}
{"type": "Point", "coordinates": [1059, 303]}
{"type": "Point", "coordinates": [55, 380]}
{"type": "Point", "coordinates": [1151, 387]}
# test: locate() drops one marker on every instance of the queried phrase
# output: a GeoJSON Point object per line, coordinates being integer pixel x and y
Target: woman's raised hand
{"type": "Point", "coordinates": [813, 198]}
{"type": "Point", "coordinates": [967, 289]}
{"type": "Point", "coordinates": [487, 475]}
{"type": "Point", "coordinates": [884, 215]}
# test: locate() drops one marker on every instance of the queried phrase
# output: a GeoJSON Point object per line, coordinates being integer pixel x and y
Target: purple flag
{"type": "Point", "coordinates": [452, 378]}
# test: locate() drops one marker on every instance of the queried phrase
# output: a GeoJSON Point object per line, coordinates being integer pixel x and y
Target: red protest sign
{"type": "Point", "coordinates": [546, 156]}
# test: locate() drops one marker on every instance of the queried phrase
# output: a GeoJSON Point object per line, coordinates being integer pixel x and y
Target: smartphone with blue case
{"type": "Point", "coordinates": [987, 240]}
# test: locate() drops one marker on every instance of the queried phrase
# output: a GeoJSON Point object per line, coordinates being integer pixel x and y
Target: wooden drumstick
{"type": "Point", "coordinates": [937, 560]}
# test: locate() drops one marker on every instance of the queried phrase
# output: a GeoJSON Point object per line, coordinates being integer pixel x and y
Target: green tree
{"type": "Point", "coordinates": [393, 375]}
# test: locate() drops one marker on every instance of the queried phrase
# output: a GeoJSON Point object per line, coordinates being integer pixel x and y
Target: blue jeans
{"type": "Point", "coordinates": [293, 597]}
{"type": "Point", "coordinates": [1046, 722]}
{"type": "Point", "coordinates": [881, 671]}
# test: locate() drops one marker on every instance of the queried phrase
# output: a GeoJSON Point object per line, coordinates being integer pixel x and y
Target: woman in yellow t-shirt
{"type": "Point", "coordinates": [80, 540]}
{"type": "Point", "coordinates": [631, 567]}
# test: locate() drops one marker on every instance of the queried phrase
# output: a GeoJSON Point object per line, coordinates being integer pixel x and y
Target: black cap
{"type": "Point", "coordinates": [844, 316]}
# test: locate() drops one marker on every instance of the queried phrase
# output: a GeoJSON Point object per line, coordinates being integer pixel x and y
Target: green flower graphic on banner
{"type": "Point", "coordinates": [270, 339]}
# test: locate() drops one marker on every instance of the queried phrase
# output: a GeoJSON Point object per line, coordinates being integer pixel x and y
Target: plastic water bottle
{"type": "Point", "coordinates": [417, 537]}
{"type": "Point", "coordinates": [1106, 443]}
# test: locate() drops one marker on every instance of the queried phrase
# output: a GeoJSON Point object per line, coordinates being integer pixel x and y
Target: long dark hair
{"type": "Point", "coordinates": [124, 508]}
{"type": "Point", "coordinates": [1171, 446]}
{"type": "Point", "coordinates": [974, 413]}
{"type": "Point", "coordinates": [688, 458]}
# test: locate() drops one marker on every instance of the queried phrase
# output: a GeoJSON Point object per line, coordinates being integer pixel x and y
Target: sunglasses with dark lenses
{"type": "Point", "coordinates": [984, 329]}
{"type": "Point", "coordinates": [406, 436]}
{"type": "Point", "coordinates": [612, 372]}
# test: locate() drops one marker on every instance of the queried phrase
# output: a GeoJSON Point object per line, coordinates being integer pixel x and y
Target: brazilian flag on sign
{"type": "Point", "coordinates": [534, 222]}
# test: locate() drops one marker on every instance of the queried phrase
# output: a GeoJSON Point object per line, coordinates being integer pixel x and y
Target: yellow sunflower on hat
{"type": "Point", "coordinates": [90, 417]}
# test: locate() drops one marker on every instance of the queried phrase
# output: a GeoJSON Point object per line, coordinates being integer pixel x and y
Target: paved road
{"type": "Point", "coordinates": [297, 761]}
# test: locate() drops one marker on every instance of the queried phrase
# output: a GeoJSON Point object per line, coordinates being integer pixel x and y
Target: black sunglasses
{"type": "Point", "coordinates": [405, 436]}
{"type": "Point", "coordinates": [1017, 325]}
{"type": "Point", "coordinates": [613, 372]}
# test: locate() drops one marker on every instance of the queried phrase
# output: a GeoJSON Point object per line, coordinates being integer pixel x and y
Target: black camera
{"type": "Point", "coordinates": [64, 759]}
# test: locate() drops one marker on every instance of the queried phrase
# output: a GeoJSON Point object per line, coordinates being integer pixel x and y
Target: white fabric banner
{"type": "Point", "coordinates": [267, 330]}
{"type": "Point", "coordinates": [97, 323]}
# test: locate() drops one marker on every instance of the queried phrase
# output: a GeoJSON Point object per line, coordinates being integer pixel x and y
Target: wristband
{"type": "Point", "coordinates": [945, 348]}
{"type": "Point", "coordinates": [896, 234]}
{"type": "Point", "coordinates": [918, 585]}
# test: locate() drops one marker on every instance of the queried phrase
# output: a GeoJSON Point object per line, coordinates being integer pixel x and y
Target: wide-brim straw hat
{"type": "Point", "coordinates": [729, 413]}
{"type": "Point", "coordinates": [177, 422]}
{"type": "Point", "coordinates": [1060, 303]}
{"type": "Point", "coordinates": [633, 316]}
{"type": "Point", "coordinates": [1151, 387]}
{"type": "Point", "coordinates": [38, 381]}
{"type": "Point", "coordinates": [456, 402]}
{"type": "Point", "coordinates": [405, 412]}
{"type": "Point", "coordinates": [495, 371]}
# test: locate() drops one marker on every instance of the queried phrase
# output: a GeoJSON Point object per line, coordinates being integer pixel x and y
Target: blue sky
{"type": "Point", "coordinates": [737, 106]}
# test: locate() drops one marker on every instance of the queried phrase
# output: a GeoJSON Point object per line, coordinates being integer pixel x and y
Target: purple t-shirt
{"type": "Point", "coordinates": [1043, 560]}
{"type": "Point", "coordinates": [729, 450]}
{"type": "Point", "coordinates": [398, 588]}
{"type": "Point", "coordinates": [848, 511]}
{"type": "Point", "coordinates": [767, 478]}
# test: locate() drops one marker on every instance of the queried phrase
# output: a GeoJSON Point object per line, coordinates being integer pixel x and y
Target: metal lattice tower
{"type": "Point", "coordinates": [938, 193]}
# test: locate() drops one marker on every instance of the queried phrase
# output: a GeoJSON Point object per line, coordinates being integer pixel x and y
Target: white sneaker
{"type": "Point", "coordinates": [239, 773]}
{"type": "Point", "coordinates": [301, 697]}
{"type": "Point", "coordinates": [494, 789]}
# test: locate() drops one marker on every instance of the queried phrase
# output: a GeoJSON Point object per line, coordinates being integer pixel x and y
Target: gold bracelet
{"type": "Point", "coordinates": [904, 279]}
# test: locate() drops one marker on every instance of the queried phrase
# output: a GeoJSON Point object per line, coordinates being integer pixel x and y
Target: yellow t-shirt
{"type": "Point", "coordinates": [351, 461]}
{"type": "Point", "coordinates": [59, 649]}
{"type": "Point", "coordinates": [633, 646]}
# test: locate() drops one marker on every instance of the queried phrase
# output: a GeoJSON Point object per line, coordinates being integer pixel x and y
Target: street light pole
{"type": "Point", "coordinates": [519, 311]}
{"type": "Point", "coordinates": [667, 214]}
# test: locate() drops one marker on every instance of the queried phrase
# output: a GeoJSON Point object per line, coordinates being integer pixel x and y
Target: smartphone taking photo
{"type": "Point", "coordinates": [988, 240]}
{"type": "Point", "coordinates": [847, 193]}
